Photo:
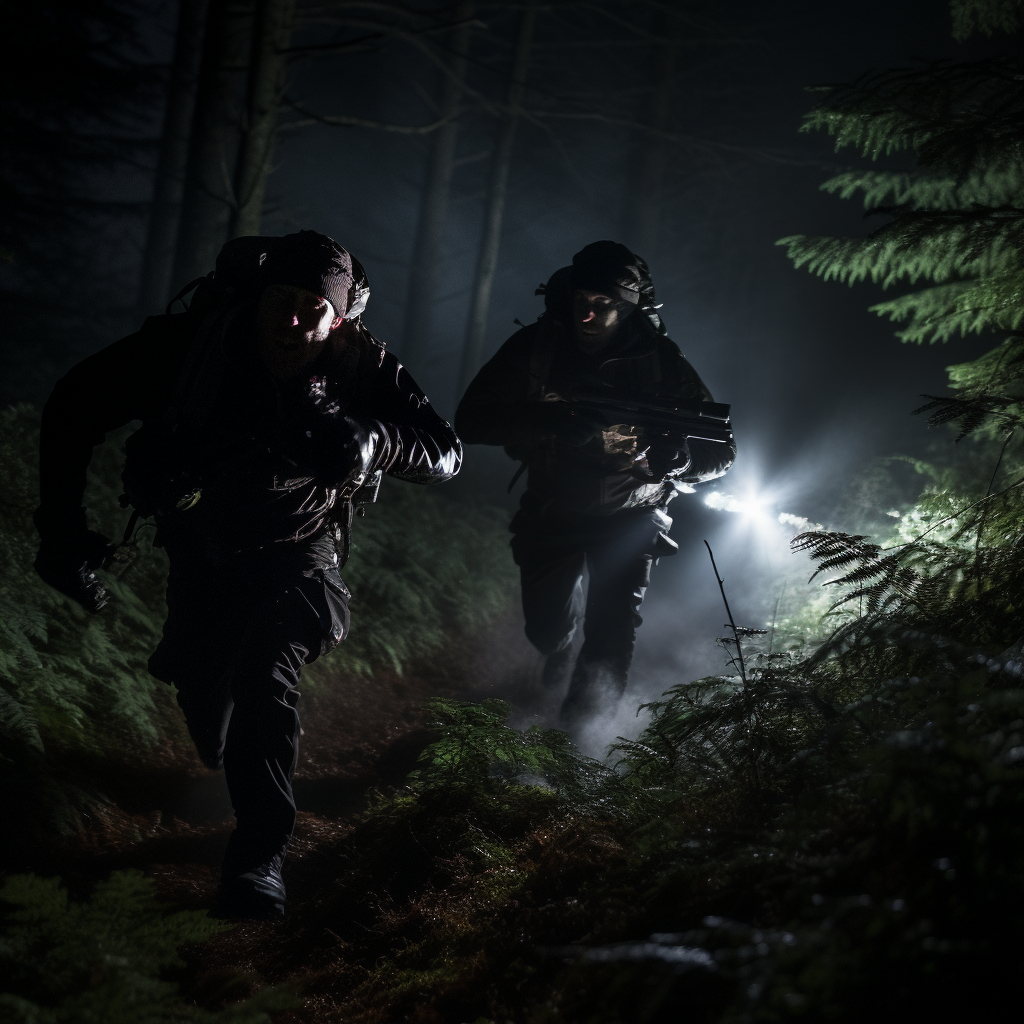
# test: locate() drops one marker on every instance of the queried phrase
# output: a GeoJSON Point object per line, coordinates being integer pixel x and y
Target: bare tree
{"type": "Point", "coordinates": [169, 180]}
{"type": "Point", "coordinates": [241, 82]}
{"type": "Point", "coordinates": [272, 31]}
{"type": "Point", "coordinates": [497, 187]}
{"type": "Point", "coordinates": [437, 188]}
{"type": "Point", "coordinates": [209, 198]}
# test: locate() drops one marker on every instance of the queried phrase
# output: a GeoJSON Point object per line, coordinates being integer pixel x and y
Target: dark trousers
{"type": "Point", "coordinates": [615, 554]}
{"type": "Point", "coordinates": [234, 644]}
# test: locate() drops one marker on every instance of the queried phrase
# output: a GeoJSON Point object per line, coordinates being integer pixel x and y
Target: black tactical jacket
{"type": "Point", "coordinates": [541, 363]}
{"type": "Point", "coordinates": [259, 451]}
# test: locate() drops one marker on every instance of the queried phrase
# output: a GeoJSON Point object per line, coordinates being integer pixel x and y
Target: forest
{"type": "Point", "coordinates": [809, 813]}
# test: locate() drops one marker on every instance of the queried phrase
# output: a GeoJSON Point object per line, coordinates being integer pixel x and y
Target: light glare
{"type": "Point", "coordinates": [754, 506]}
{"type": "Point", "coordinates": [757, 508]}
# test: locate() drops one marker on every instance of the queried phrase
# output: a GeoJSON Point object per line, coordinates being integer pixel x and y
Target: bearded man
{"type": "Point", "coordinates": [268, 410]}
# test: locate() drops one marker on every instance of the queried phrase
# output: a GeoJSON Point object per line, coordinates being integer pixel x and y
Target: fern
{"type": "Point", "coordinates": [104, 959]}
{"type": "Point", "coordinates": [987, 16]}
{"type": "Point", "coordinates": [476, 751]}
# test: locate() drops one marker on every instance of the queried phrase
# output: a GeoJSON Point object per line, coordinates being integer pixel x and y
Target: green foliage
{"type": "Point", "coordinates": [477, 751]}
{"type": "Point", "coordinates": [103, 960]}
{"type": "Point", "coordinates": [985, 16]}
{"type": "Point", "coordinates": [955, 220]}
{"type": "Point", "coordinates": [77, 683]}
{"type": "Point", "coordinates": [67, 679]}
{"type": "Point", "coordinates": [424, 568]}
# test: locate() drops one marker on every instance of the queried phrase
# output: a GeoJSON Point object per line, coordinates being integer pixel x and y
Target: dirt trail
{"type": "Point", "coordinates": [172, 818]}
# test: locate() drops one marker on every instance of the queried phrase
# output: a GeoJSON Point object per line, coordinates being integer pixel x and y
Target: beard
{"type": "Point", "coordinates": [286, 354]}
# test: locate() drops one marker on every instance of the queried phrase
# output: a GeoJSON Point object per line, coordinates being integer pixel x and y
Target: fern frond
{"type": "Point", "coordinates": [970, 413]}
{"type": "Point", "coordinates": [986, 16]}
{"type": "Point", "coordinates": [833, 550]}
{"type": "Point", "coordinates": [954, 116]}
{"type": "Point", "coordinates": [17, 724]}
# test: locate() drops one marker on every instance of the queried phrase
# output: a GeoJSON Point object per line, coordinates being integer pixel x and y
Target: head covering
{"type": "Point", "coordinates": [609, 268]}
{"type": "Point", "coordinates": [600, 267]}
{"type": "Point", "coordinates": [318, 264]}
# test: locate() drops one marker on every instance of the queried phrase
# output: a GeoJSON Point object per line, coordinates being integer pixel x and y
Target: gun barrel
{"type": "Point", "coordinates": [707, 421]}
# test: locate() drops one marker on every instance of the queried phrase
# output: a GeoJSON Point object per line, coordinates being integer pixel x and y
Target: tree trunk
{"type": "Point", "coordinates": [427, 247]}
{"type": "Point", "coordinates": [209, 199]}
{"type": "Point", "coordinates": [272, 31]}
{"type": "Point", "coordinates": [168, 184]}
{"type": "Point", "coordinates": [497, 186]}
{"type": "Point", "coordinates": [648, 198]}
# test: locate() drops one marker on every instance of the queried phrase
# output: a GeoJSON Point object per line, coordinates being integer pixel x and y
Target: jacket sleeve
{"type": "Point", "coordinates": [494, 409]}
{"type": "Point", "coordinates": [413, 442]}
{"type": "Point", "coordinates": [101, 393]}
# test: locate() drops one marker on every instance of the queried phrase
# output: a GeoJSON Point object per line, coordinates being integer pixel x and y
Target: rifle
{"type": "Point", "coordinates": [661, 418]}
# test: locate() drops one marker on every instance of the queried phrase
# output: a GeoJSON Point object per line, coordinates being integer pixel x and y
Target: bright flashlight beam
{"type": "Point", "coordinates": [756, 508]}
{"type": "Point", "coordinates": [728, 503]}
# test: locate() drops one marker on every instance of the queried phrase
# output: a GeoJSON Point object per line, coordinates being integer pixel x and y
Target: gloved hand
{"type": "Point", "coordinates": [339, 450]}
{"type": "Point", "coordinates": [560, 422]}
{"type": "Point", "coordinates": [355, 456]}
{"type": "Point", "coordinates": [663, 459]}
{"type": "Point", "coordinates": [67, 558]}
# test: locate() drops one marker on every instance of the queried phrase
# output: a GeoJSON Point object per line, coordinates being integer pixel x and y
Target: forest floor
{"type": "Point", "coordinates": [170, 818]}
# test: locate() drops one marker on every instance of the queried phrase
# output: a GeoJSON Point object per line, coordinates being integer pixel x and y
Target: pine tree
{"type": "Point", "coordinates": [954, 228]}
{"type": "Point", "coordinates": [956, 220]}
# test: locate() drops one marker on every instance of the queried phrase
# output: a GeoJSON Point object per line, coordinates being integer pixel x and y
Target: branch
{"type": "Point", "coordinates": [381, 31]}
{"type": "Point", "coordinates": [414, 40]}
{"type": "Point", "coordinates": [348, 120]}
{"type": "Point", "coordinates": [728, 611]}
{"type": "Point", "coordinates": [691, 140]}
{"type": "Point", "coordinates": [295, 52]}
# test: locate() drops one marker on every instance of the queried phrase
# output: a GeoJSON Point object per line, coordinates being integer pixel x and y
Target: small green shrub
{"type": "Point", "coordinates": [103, 960]}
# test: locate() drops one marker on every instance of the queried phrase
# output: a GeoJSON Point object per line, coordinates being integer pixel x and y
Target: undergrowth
{"type": "Point", "coordinates": [74, 688]}
{"type": "Point", "coordinates": [109, 958]}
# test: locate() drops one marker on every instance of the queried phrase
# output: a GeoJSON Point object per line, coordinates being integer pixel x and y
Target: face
{"type": "Point", "coordinates": [292, 327]}
{"type": "Point", "coordinates": [596, 319]}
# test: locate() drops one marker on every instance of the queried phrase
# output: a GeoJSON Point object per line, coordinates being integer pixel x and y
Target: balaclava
{"type": "Point", "coordinates": [317, 263]}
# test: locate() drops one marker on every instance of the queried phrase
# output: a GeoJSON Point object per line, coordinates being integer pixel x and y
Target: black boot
{"type": "Point", "coordinates": [251, 892]}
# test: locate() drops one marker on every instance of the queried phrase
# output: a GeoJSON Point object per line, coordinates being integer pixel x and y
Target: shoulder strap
{"type": "Point", "coordinates": [204, 369]}
{"type": "Point", "coordinates": [542, 355]}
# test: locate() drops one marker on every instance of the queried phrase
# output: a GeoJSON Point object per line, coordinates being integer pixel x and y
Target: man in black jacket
{"type": "Point", "coordinates": [597, 489]}
{"type": "Point", "coordinates": [267, 410]}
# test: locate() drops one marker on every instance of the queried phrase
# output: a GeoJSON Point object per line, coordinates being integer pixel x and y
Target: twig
{"type": "Point", "coordinates": [728, 611]}
{"type": "Point", "coordinates": [988, 491]}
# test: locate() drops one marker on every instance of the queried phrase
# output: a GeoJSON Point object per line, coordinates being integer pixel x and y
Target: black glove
{"type": "Point", "coordinates": [67, 558]}
{"type": "Point", "coordinates": [663, 459]}
{"type": "Point", "coordinates": [560, 422]}
{"type": "Point", "coordinates": [339, 450]}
